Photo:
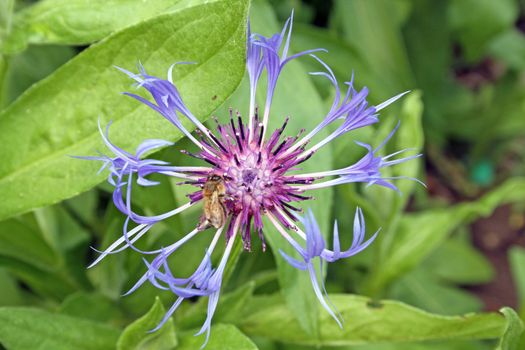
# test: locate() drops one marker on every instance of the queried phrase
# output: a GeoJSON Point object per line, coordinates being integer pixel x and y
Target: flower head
{"type": "Point", "coordinates": [251, 173]}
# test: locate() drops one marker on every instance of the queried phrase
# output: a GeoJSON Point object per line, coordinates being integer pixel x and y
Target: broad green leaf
{"type": "Point", "coordinates": [68, 238]}
{"type": "Point", "coordinates": [26, 328]}
{"type": "Point", "coordinates": [223, 337]}
{"type": "Point", "coordinates": [58, 117]}
{"type": "Point", "coordinates": [80, 22]}
{"type": "Point", "coordinates": [509, 47]}
{"type": "Point", "coordinates": [22, 241]}
{"type": "Point", "coordinates": [32, 65]}
{"type": "Point", "coordinates": [440, 345]}
{"type": "Point", "coordinates": [424, 290]}
{"type": "Point", "coordinates": [513, 331]}
{"type": "Point", "coordinates": [409, 136]}
{"type": "Point", "coordinates": [482, 124]}
{"type": "Point", "coordinates": [367, 321]}
{"type": "Point", "coordinates": [342, 58]}
{"type": "Point", "coordinates": [517, 265]}
{"type": "Point", "coordinates": [477, 21]}
{"type": "Point", "coordinates": [136, 335]}
{"type": "Point", "coordinates": [6, 18]}
{"type": "Point", "coordinates": [10, 293]}
{"type": "Point", "coordinates": [31, 256]}
{"type": "Point", "coordinates": [458, 261]}
{"type": "Point", "coordinates": [428, 41]}
{"type": "Point", "coordinates": [3, 73]}
{"type": "Point", "coordinates": [374, 31]}
{"type": "Point", "coordinates": [84, 208]}
{"type": "Point", "coordinates": [421, 233]}
{"type": "Point", "coordinates": [91, 306]}
{"type": "Point", "coordinates": [295, 96]}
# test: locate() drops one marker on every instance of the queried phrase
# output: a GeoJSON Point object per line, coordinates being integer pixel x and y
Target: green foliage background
{"type": "Point", "coordinates": [57, 77]}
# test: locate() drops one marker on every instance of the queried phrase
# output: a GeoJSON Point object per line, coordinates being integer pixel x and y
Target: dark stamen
{"type": "Point", "coordinates": [232, 122]}
{"type": "Point", "coordinates": [191, 154]}
{"type": "Point", "coordinates": [239, 143]}
{"type": "Point", "coordinates": [256, 115]}
{"type": "Point", "coordinates": [260, 136]}
{"type": "Point", "coordinates": [241, 127]}
{"type": "Point", "coordinates": [299, 181]}
{"type": "Point", "coordinates": [284, 126]}
{"type": "Point", "coordinates": [259, 158]}
{"type": "Point", "coordinates": [290, 215]}
{"type": "Point", "coordinates": [279, 147]}
{"type": "Point", "coordinates": [236, 160]}
{"type": "Point", "coordinates": [209, 161]}
{"type": "Point", "coordinates": [298, 196]}
{"type": "Point", "coordinates": [300, 210]}
{"type": "Point", "coordinates": [218, 142]}
{"type": "Point", "coordinates": [305, 158]}
{"type": "Point", "coordinates": [197, 183]}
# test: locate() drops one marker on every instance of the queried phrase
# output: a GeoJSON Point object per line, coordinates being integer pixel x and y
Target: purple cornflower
{"type": "Point", "coordinates": [257, 176]}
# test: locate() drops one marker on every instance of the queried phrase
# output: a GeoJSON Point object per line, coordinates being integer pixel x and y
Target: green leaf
{"type": "Point", "coordinates": [9, 290]}
{"type": "Point", "coordinates": [509, 47]}
{"type": "Point", "coordinates": [342, 58]}
{"type": "Point", "coordinates": [421, 233]}
{"type": "Point", "coordinates": [80, 22]}
{"type": "Point", "coordinates": [422, 289]}
{"type": "Point", "coordinates": [26, 328]}
{"type": "Point", "coordinates": [6, 18]}
{"type": "Point", "coordinates": [441, 345]}
{"type": "Point", "coordinates": [27, 245]}
{"type": "Point", "coordinates": [409, 136]}
{"type": "Point", "coordinates": [375, 33]}
{"type": "Point", "coordinates": [513, 331]}
{"type": "Point", "coordinates": [367, 321]}
{"type": "Point", "coordinates": [58, 117]}
{"type": "Point", "coordinates": [477, 21]}
{"type": "Point", "coordinates": [32, 65]}
{"type": "Point", "coordinates": [517, 265]}
{"type": "Point", "coordinates": [33, 258]}
{"type": "Point", "coordinates": [136, 335]}
{"type": "Point", "coordinates": [428, 41]}
{"type": "Point", "coordinates": [90, 306]}
{"type": "Point", "coordinates": [223, 337]}
{"type": "Point", "coordinates": [458, 261]}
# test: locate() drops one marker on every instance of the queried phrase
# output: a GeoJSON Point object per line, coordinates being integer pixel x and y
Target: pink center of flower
{"type": "Point", "coordinates": [251, 181]}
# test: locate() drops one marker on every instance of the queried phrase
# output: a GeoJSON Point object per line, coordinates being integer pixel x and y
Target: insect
{"type": "Point", "coordinates": [214, 193]}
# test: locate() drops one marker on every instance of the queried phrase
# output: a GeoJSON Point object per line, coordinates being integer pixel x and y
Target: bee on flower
{"type": "Point", "coordinates": [248, 172]}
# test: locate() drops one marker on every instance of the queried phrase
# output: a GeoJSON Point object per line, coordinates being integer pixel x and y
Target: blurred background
{"type": "Point", "coordinates": [455, 247]}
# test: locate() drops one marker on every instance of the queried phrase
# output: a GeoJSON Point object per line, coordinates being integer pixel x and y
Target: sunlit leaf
{"type": "Point", "coordinates": [58, 117]}
{"type": "Point", "coordinates": [367, 321]}
{"type": "Point", "coordinates": [26, 328]}
{"type": "Point", "coordinates": [137, 335]}
{"type": "Point", "coordinates": [513, 331]}
{"type": "Point", "coordinates": [80, 22]}
{"type": "Point", "coordinates": [223, 337]}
